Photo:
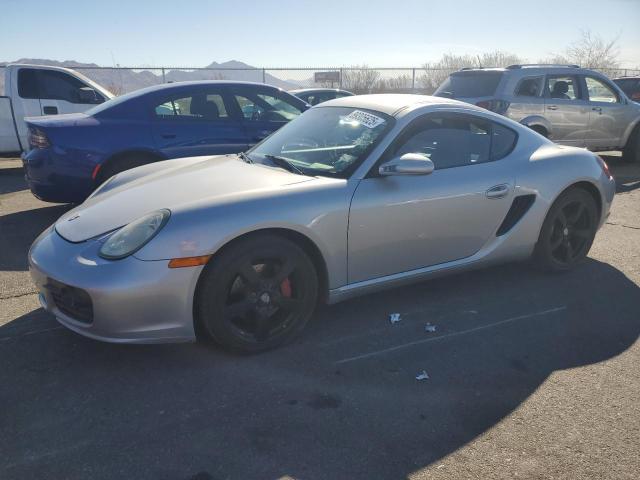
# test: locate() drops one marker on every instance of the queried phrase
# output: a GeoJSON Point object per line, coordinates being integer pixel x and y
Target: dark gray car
{"type": "Point", "coordinates": [570, 105]}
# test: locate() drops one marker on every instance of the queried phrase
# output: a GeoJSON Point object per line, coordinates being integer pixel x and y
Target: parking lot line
{"type": "Point", "coordinates": [449, 335]}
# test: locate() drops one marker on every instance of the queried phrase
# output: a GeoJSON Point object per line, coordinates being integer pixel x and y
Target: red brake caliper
{"type": "Point", "coordinates": [285, 288]}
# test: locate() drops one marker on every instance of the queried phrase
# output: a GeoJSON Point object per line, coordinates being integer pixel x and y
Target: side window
{"type": "Point", "coordinates": [282, 107]}
{"type": "Point", "coordinates": [199, 106]}
{"type": "Point", "coordinates": [449, 141]}
{"type": "Point", "coordinates": [55, 85]}
{"type": "Point", "coordinates": [266, 107]}
{"type": "Point", "coordinates": [530, 87]}
{"type": "Point", "coordinates": [28, 83]}
{"type": "Point", "coordinates": [600, 91]}
{"type": "Point", "coordinates": [503, 140]}
{"type": "Point", "coordinates": [564, 87]}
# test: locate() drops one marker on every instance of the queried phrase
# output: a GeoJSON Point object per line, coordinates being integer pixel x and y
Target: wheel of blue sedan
{"type": "Point", "coordinates": [257, 294]}
{"type": "Point", "coordinates": [568, 231]}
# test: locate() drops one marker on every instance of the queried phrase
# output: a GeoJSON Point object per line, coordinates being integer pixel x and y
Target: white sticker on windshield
{"type": "Point", "coordinates": [369, 120]}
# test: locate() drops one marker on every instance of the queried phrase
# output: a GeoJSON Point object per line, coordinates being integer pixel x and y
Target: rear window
{"type": "Point", "coordinates": [628, 85]}
{"type": "Point", "coordinates": [470, 84]}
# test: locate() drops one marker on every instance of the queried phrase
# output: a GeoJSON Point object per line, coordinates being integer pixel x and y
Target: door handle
{"type": "Point", "coordinates": [552, 107]}
{"type": "Point", "coordinates": [597, 109]}
{"type": "Point", "coordinates": [168, 135]}
{"type": "Point", "coordinates": [498, 191]}
{"type": "Point", "coordinates": [50, 110]}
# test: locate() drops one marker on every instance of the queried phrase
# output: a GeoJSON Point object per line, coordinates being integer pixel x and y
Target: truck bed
{"type": "Point", "coordinates": [8, 135]}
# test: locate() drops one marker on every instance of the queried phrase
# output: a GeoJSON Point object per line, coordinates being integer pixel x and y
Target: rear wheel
{"type": "Point", "coordinates": [568, 231]}
{"type": "Point", "coordinates": [258, 294]}
{"type": "Point", "coordinates": [631, 152]}
{"type": "Point", "coordinates": [122, 163]}
{"type": "Point", "coordinates": [541, 130]}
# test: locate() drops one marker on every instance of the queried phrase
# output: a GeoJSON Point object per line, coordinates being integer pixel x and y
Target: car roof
{"type": "Point", "coordinates": [308, 90]}
{"type": "Point", "coordinates": [392, 103]}
{"type": "Point", "coordinates": [531, 69]}
{"type": "Point", "coordinates": [193, 83]}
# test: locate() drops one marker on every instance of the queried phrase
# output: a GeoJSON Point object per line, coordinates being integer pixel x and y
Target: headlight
{"type": "Point", "coordinates": [132, 237]}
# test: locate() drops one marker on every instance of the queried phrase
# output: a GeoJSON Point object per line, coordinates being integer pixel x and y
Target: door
{"type": "Point", "coordinates": [264, 111]}
{"type": "Point", "coordinates": [29, 102]}
{"type": "Point", "coordinates": [402, 223]}
{"type": "Point", "coordinates": [197, 121]}
{"type": "Point", "coordinates": [567, 110]}
{"type": "Point", "coordinates": [60, 92]}
{"type": "Point", "coordinates": [608, 117]}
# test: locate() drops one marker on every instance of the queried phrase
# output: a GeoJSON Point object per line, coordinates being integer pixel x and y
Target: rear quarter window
{"type": "Point", "coordinates": [470, 84]}
{"type": "Point", "coordinates": [503, 141]}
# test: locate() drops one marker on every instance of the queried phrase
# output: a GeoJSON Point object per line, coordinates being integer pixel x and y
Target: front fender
{"type": "Point", "coordinates": [319, 212]}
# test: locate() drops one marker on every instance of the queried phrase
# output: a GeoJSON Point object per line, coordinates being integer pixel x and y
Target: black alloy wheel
{"type": "Point", "coordinates": [257, 294]}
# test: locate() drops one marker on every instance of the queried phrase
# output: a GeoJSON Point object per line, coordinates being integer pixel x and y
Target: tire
{"type": "Point", "coordinates": [631, 152]}
{"type": "Point", "coordinates": [258, 294]}
{"type": "Point", "coordinates": [122, 163]}
{"type": "Point", "coordinates": [567, 232]}
{"type": "Point", "coordinates": [541, 130]}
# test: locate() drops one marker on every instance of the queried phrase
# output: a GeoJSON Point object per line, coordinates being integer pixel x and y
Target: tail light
{"type": "Point", "coordinates": [605, 167]}
{"type": "Point", "coordinates": [38, 139]}
{"type": "Point", "coordinates": [498, 106]}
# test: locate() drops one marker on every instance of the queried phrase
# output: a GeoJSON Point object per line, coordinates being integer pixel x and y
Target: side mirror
{"type": "Point", "coordinates": [407, 164]}
{"type": "Point", "coordinates": [88, 95]}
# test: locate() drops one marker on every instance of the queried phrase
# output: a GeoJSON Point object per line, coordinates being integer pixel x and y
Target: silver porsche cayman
{"type": "Point", "coordinates": [357, 194]}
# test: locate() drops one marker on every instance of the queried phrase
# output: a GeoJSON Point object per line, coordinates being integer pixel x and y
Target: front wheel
{"type": "Point", "coordinates": [631, 152]}
{"type": "Point", "coordinates": [258, 294]}
{"type": "Point", "coordinates": [568, 231]}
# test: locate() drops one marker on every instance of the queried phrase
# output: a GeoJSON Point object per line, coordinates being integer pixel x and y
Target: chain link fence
{"type": "Point", "coordinates": [358, 80]}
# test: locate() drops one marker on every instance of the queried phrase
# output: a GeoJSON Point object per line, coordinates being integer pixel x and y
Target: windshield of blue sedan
{"type": "Point", "coordinates": [328, 141]}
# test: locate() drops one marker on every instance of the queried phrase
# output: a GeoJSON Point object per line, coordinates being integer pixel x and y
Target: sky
{"type": "Point", "coordinates": [284, 33]}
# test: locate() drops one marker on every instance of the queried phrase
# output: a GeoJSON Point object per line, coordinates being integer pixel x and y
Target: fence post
{"type": "Point", "coordinates": [413, 81]}
{"type": "Point", "coordinates": [163, 78]}
{"type": "Point", "coordinates": [340, 78]}
{"type": "Point", "coordinates": [625, 72]}
{"type": "Point", "coordinates": [264, 76]}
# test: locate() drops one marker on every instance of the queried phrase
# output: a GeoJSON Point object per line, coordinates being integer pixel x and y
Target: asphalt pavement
{"type": "Point", "coordinates": [530, 375]}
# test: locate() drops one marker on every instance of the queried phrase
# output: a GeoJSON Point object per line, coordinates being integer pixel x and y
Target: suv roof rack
{"type": "Point", "coordinates": [524, 65]}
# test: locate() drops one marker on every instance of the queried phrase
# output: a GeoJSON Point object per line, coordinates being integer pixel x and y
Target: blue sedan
{"type": "Point", "coordinates": [72, 154]}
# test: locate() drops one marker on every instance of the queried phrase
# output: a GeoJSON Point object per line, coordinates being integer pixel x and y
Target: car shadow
{"type": "Point", "coordinates": [20, 229]}
{"type": "Point", "coordinates": [73, 405]}
{"type": "Point", "coordinates": [12, 180]}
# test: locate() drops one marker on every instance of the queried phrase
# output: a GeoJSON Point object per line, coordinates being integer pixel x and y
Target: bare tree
{"type": "Point", "coordinates": [400, 83]}
{"type": "Point", "coordinates": [589, 51]}
{"type": "Point", "coordinates": [359, 79]}
{"type": "Point", "coordinates": [437, 72]}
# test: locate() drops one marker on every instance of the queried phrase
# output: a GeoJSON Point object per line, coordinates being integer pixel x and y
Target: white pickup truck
{"type": "Point", "coordinates": [34, 90]}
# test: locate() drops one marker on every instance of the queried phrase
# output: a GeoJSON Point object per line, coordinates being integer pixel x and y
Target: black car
{"type": "Point", "coordinates": [314, 96]}
{"type": "Point", "coordinates": [630, 86]}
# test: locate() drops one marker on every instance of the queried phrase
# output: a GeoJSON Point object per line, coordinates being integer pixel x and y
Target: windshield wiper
{"type": "Point", "coordinates": [284, 163]}
{"type": "Point", "coordinates": [243, 156]}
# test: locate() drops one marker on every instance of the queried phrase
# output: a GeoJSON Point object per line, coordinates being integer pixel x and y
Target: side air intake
{"type": "Point", "coordinates": [521, 205]}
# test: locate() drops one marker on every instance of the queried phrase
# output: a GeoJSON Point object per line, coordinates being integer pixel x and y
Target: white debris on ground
{"type": "Point", "coordinates": [394, 318]}
{"type": "Point", "coordinates": [422, 375]}
{"type": "Point", "coordinates": [429, 328]}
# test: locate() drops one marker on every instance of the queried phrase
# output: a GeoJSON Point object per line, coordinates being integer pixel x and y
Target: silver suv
{"type": "Point", "coordinates": [566, 103]}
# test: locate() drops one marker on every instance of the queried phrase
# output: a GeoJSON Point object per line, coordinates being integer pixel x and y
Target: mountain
{"type": "Point", "coordinates": [121, 81]}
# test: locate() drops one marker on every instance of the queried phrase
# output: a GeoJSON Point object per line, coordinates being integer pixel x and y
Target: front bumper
{"type": "Point", "coordinates": [133, 301]}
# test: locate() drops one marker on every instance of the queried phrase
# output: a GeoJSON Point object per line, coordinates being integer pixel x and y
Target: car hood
{"type": "Point", "coordinates": [172, 184]}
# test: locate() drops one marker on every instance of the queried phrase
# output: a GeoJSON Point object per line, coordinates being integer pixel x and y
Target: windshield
{"type": "Point", "coordinates": [469, 84]}
{"type": "Point", "coordinates": [328, 141]}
